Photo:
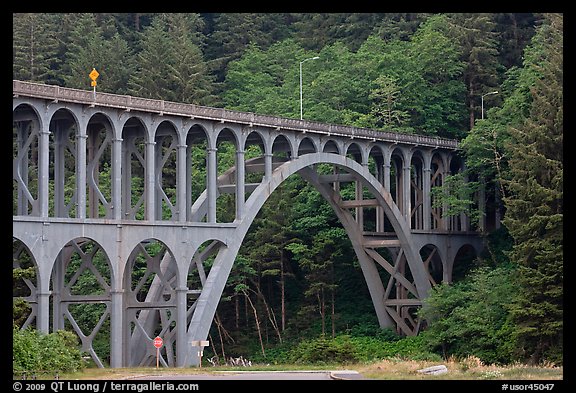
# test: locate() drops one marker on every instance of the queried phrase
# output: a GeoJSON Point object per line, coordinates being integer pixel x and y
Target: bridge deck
{"type": "Point", "coordinates": [129, 103]}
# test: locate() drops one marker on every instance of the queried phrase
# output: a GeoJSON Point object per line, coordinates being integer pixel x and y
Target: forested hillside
{"type": "Point", "coordinates": [296, 275]}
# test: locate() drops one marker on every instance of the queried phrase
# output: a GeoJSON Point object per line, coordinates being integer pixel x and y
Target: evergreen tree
{"type": "Point", "coordinates": [534, 214]}
{"type": "Point", "coordinates": [85, 51]}
{"type": "Point", "coordinates": [34, 47]}
{"type": "Point", "coordinates": [477, 38]}
{"type": "Point", "coordinates": [119, 66]}
{"type": "Point", "coordinates": [384, 109]}
{"type": "Point", "coordinates": [152, 77]}
{"type": "Point", "coordinates": [190, 76]}
{"type": "Point", "coordinates": [232, 33]}
{"type": "Point", "coordinates": [434, 89]}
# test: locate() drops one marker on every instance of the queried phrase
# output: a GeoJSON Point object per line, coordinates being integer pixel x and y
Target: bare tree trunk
{"type": "Point", "coordinates": [322, 310]}
{"type": "Point", "coordinates": [213, 346]}
{"type": "Point", "coordinates": [333, 314]}
{"type": "Point", "coordinates": [237, 310]}
{"type": "Point", "coordinates": [270, 313]}
{"type": "Point", "coordinates": [219, 326]}
{"type": "Point", "coordinates": [257, 322]}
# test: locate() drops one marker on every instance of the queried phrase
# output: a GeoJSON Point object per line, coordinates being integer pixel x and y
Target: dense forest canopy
{"type": "Point", "coordinates": [424, 73]}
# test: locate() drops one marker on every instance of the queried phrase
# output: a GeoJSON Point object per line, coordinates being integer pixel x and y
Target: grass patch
{"type": "Point", "coordinates": [385, 369]}
{"type": "Point", "coordinates": [467, 369]}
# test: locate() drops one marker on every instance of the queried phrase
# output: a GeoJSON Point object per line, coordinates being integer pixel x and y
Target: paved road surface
{"type": "Point", "coordinates": [258, 375]}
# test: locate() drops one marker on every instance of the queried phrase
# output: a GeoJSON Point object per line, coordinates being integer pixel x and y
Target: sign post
{"type": "Point", "coordinates": [94, 75]}
{"type": "Point", "coordinates": [201, 344]}
{"type": "Point", "coordinates": [158, 342]}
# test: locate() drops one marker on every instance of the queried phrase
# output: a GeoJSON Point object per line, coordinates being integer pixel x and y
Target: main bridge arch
{"type": "Point", "coordinates": [408, 272]}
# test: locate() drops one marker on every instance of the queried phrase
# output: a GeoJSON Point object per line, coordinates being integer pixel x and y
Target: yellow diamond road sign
{"type": "Point", "coordinates": [94, 74]}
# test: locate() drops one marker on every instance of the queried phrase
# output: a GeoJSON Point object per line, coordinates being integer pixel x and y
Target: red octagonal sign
{"type": "Point", "coordinates": [158, 342]}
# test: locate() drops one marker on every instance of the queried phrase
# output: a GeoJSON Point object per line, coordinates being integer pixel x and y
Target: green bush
{"type": "Point", "coordinates": [471, 317]}
{"type": "Point", "coordinates": [36, 352]}
{"type": "Point", "coordinates": [323, 351]}
{"type": "Point", "coordinates": [349, 349]}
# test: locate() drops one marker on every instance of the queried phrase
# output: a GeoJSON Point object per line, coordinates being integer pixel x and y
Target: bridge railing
{"type": "Point", "coordinates": [197, 111]}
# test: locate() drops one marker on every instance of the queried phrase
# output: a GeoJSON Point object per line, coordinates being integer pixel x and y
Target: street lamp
{"type": "Point", "coordinates": [303, 61]}
{"type": "Point", "coordinates": [487, 94]}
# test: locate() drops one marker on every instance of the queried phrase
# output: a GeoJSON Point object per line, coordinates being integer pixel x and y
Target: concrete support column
{"type": "Point", "coordinates": [81, 174]}
{"type": "Point", "coordinates": [182, 328]}
{"type": "Point", "coordinates": [117, 178]}
{"type": "Point", "coordinates": [181, 187]}
{"type": "Point", "coordinates": [267, 166]}
{"type": "Point", "coordinates": [211, 186]}
{"type": "Point", "coordinates": [240, 184]}
{"type": "Point", "coordinates": [126, 182]}
{"type": "Point", "coordinates": [57, 286]}
{"type": "Point", "coordinates": [158, 174]}
{"type": "Point", "coordinates": [43, 170]}
{"type": "Point", "coordinates": [149, 182]}
{"type": "Point", "coordinates": [387, 176]}
{"type": "Point", "coordinates": [379, 210]}
{"type": "Point", "coordinates": [43, 312]}
{"type": "Point", "coordinates": [406, 206]}
{"type": "Point", "coordinates": [116, 330]}
{"type": "Point", "coordinates": [59, 147]}
{"type": "Point", "coordinates": [426, 197]}
{"type": "Point", "coordinates": [446, 220]}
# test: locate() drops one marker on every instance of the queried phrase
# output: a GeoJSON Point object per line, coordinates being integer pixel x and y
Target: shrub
{"type": "Point", "coordinates": [37, 352]}
{"type": "Point", "coordinates": [323, 350]}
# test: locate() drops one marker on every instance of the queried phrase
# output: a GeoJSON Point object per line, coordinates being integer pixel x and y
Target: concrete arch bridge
{"type": "Point", "coordinates": [83, 220]}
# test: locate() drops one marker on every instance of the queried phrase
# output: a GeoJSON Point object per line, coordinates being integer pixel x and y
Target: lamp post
{"type": "Point", "coordinates": [487, 94]}
{"type": "Point", "coordinates": [303, 61]}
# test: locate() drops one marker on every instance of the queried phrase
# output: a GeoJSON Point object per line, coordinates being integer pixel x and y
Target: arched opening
{"type": "Point", "coordinates": [432, 263]}
{"type": "Point", "coordinates": [134, 156]}
{"type": "Point", "coordinates": [25, 148]}
{"type": "Point", "coordinates": [437, 180]}
{"type": "Point", "coordinates": [166, 171]}
{"type": "Point", "coordinates": [99, 167]}
{"type": "Point", "coordinates": [150, 281]}
{"type": "Point", "coordinates": [281, 148]}
{"type": "Point", "coordinates": [464, 262]}
{"type": "Point", "coordinates": [306, 146]}
{"type": "Point", "coordinates": [258, 165]}
{"type": "Point", "coordinates": [196, 173]}
{"type": "Point", "coordinates": [417, 191]}
{"type": "Point", "coordinates": [229, 196]}
{"type": "Point", "coordinates": [24, 277]}
{"type": "Point", "coordinates": [331, 147]}
{"type": "Point", "coordinates": [396, 178]}
{"type": "Point", "coordinates": [63, 130]}
{"type": "Point", "coordinates": [81, 281]}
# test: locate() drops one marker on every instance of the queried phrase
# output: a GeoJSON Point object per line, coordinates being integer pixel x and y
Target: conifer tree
{"type": "Point", "coordinates": [34, 47]}
{"type": "Point", "coordinates": [85, 51]}
{"type": "Point", "coordinates": [534, 204]}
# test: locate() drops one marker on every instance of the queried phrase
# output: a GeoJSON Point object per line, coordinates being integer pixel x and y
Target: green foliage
{"type": "Point", "coordinates": [472, 317]}
{"type": "Point", "coordinates": [323, 351]}
{"type": "Point", "coordinates": [534, 214]}
{"type": "Point", "coordinates": [36, 352]}
{"type": "Point", "coordinates": [457, 194]}
{"type": "Point", "coordinates": [345, 349]}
